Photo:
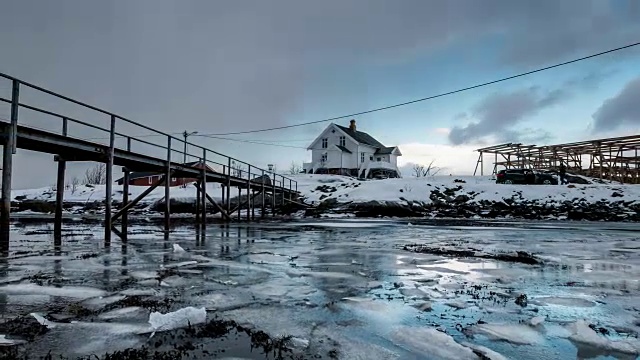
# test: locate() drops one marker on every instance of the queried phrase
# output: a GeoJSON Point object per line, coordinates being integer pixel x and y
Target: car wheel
{"type": "Point", "coordinates": [547, 182]}
{"type": "Point", "coordinates": [509, 182]}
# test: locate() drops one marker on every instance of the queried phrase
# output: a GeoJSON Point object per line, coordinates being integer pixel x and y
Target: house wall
{"type": "Point", "coordinates": [335, 157]}
{"type": "Point", "coordinates": [393, 159]}
{"type": "Point", "coordinates": [150, 180]}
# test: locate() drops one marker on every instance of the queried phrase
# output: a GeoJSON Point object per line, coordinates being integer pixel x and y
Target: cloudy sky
{"type": "Point", "coordinates": [225, 66]}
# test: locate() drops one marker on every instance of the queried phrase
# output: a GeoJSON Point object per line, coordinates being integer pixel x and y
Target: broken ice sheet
{"type": "Point", "coordinates": [433, 342]}
{"type": "Point", "coordinates": [177, 319]}
{"type": "Point", "coordinates": [513, 333]}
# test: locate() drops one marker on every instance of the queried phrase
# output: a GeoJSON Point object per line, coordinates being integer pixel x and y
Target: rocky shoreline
{"type": "Point", "coordinates": [454, 202]}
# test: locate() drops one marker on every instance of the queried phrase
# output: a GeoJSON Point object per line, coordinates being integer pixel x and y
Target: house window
{"type": "Point", "coordinates": [343, 140]}
{"type": "Point", "coordinates": [361, 157]}
{"type": "Point", "coordinates": [150, 180]}
{"type": "Point", "coordinates": [325, 143]}
{"type": "Point", "coordinates": [371, 157]}
{"type": "Point", "coordinates": [324, 157]}
{"type": "Point", "coordinates": [173, 179]}
{"type": "Point", "coordinates": [379, 159]}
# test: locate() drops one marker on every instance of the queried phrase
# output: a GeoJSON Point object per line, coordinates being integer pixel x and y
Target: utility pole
{"type": "Point", "coordinates": [186, 135]}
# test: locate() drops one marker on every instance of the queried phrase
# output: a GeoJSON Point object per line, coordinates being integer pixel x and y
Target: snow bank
{"type": "Point", "coordinates": [96, 193]}
{"type": "Point", "coordinates": [77, 292]}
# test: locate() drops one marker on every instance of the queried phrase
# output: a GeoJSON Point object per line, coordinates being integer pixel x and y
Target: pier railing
{"type": "Point", "coordinates": [119, 132]}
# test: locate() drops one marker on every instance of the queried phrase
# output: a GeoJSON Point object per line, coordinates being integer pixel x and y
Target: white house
{"type": "Point", "coordinates": [347, 151]}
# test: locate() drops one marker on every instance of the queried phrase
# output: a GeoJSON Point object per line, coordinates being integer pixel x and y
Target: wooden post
{"type": "Point", "coordinates": [167, 189]}
{"type": "Point", "coordinates": [109, 180]}
{"type": "Point", "coordinates": [229, 185]}
{"type": "Point", "coordinates": [273, 196]}
{"type": "Point", "coordinates": [262, 180]}
{"type": "Point", "coordinates": [62, 165]}
{"type": "Point", "coordinates": [126, 179]}
{"type": "Point", "coordinates": [198, 201]}
{"type": "Point", "coordinates": [203, 191]}
{"type": "Point", "coordinates": [282, 188]}
{"type": "Point", "coordinates": [249, 207]}
{"type": "Point", "coordinates": [222, 202]}
{"type": "Point", "coordinates": [7, 168]}
{"type": "Point", "coordinates": [125, 200]}
{"type": "Point", "coordinates": [239, 199]}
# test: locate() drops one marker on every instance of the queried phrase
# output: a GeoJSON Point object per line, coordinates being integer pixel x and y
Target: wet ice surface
{"type": "Point", "coordinates": [342, 288]}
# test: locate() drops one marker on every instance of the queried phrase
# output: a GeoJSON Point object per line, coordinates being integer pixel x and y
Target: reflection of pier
{"type": "Point", "coordinates": [147, 156]}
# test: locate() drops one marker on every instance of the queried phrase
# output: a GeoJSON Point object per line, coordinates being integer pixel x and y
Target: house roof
{"type": "Point", "coordinates": [362, 137]}
{"type": "Point", "coordinates": [344, 149]}
{"type": "Point", "coordinates": [385, 150]}
{"type": "Point", "coordinates": [138, 175]}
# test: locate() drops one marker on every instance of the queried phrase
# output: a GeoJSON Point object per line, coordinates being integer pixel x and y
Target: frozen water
{"type": "Point", "coordinates": [340, 288]}
{"type": "Point", "coordinates": [582, 333]}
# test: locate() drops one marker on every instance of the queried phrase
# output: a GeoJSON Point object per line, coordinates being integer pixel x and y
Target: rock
{"type": "Point", "coordinates": [616, 194]}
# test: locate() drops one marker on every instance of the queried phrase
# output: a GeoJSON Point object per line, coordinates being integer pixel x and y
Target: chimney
{"type": "Point", "coordinates": [352, 125]}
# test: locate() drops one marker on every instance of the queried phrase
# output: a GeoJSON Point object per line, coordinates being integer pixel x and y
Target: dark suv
{"type": "Point", "coordinates": [524, 176]}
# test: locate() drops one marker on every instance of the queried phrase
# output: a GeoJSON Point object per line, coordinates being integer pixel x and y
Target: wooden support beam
{"type": "Point", "coordinates": [62, 165]}
{"type": "Point", "coordinates": [109, 182]}
{"type": "Point", "coordinates": [167, 189]}
{"type": "Point", "coordinates": [137, 199]}
{"type": "Point", "coordinates": [273, 196]}
{"type": "Point", "coordinates": [240, 205]}
{"type": "Point", "coordinates": [263, 179]}
{"type": "Point", "coordinates": [198, 201]}
{"type": "Point", "coordinates": [203, 195]}
{"type": "Point", "coordinates": [249, 193]}
{"type": "Point", "coordinates": [7, 168]}
{"type": "Point", "coordinates": [219, 208]}
{"type": "Point", "coordinates": [229, 185]}
{"type": "Point", "coordinates": [126, 179]}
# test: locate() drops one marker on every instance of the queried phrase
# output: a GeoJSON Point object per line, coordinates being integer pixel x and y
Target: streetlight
{"type": "Point", "coordinates": [186, 135]}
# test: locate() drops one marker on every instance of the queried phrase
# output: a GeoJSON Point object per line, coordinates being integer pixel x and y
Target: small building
{"type": "Point", "coordinates": [347, 151]}
{"type": "Point", "coordinates": [143, 178]}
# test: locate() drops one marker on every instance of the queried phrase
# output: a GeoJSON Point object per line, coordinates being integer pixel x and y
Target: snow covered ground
{"type": "Point", "coordinates": [91, 193]}
{"type": "Point", "coordinates": [419, 189]}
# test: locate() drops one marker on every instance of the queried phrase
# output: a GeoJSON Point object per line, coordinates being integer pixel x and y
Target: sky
{"type": "Point", "coordinates": [225, 66]}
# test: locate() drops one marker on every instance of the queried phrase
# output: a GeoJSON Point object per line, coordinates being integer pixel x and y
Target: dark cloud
{"type": "Point", "coordinates": [220, 66]}
{"type": "Point", "coordinates": [622, 109]}
{"type": "Point", "coordinates": [498, 114]}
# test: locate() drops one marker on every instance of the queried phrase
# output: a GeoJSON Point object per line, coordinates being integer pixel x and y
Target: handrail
{"type": "Point", "coordinates": [254, 170]}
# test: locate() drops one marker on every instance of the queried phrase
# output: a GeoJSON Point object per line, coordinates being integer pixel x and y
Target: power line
{"type": "Point", "coordinates": [253, 142]}
{"type": "Point", "coordinates": [433, 96]}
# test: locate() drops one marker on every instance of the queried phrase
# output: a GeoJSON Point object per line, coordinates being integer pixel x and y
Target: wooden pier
{"type": "Point", "coordinates": [16, 133]}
